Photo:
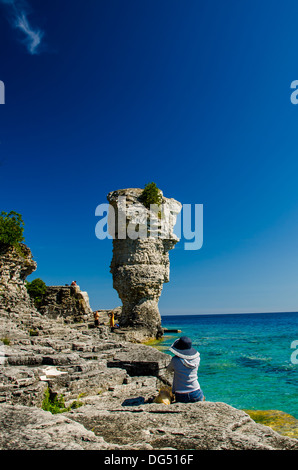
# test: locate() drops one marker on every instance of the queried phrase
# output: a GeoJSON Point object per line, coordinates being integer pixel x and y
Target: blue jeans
{"type": "Point", "coordinates": [191, 397]}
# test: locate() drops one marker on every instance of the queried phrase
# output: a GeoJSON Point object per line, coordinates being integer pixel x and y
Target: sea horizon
{"type": "Point", "coordinates": [227, 313]}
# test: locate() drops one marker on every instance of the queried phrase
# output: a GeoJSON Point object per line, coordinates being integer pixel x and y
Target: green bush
{"type": "Point", "coordinates": [55, 404]}
{"type": "Point", "coordinates": [36, 289]}
{"type": "Point", "coordinates": [151, 195]}
{"type": "Point", "coordinates": [11, 228]}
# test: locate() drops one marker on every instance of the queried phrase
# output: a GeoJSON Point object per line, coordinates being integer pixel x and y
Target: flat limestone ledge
{"type": "Point", "coordinates": [30, 428]}
{"type": "Point", "coordinates": [134, 335]}
{"type": "Point", "coordinates": [142, 360]}
{"type": "Point", "coordinates": [197, 426]}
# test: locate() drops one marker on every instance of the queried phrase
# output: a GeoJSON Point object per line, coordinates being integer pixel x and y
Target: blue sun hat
{"type": "Point", "coordinates": [182, 347]}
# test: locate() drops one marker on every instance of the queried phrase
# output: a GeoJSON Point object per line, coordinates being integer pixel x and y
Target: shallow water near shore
{"type": "Point", "coordinates": [246, 359]}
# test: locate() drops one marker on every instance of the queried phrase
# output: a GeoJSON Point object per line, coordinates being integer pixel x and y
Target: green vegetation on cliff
{"type": "Point", "coordinates": [11, 228]}
{"type": "Point", "coordinates": [36, 289]}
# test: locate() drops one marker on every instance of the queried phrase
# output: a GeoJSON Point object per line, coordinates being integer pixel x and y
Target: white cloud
{"type": "Point", "coordinates": [33, 38]}
{"type": "Point", "coordinates": [18, 12]}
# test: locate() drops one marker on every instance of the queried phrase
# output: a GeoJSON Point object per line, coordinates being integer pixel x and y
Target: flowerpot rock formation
{"type": "Point", "coordinates": [142, 239]}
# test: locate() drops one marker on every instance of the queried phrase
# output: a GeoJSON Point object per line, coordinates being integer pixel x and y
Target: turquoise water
{"type": "Point", "coordinates": [246, 359]}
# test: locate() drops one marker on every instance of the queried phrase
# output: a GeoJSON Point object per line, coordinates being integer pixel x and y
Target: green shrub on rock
{"type": "Point", "coordinates": [151, 195]}
{"type": "Point", "coordinates": [36, 289]}
{"type": "Point", "coordinates": [55, 404]}
{"type": "Point", "coordinates": [11, 228]}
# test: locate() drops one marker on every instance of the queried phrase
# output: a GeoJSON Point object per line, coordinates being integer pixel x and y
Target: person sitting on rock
{"type": "Point", "coordinates": [74, 283]}
{"type": "Point", "coordinates": [185, 364]}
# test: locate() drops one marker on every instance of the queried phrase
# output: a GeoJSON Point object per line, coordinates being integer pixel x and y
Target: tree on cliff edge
{"type": "Point", "coordinates": [11, 228]}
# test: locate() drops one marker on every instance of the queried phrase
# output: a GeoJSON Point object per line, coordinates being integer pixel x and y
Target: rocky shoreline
{"type": "Point", "coordinates": [104, 384]}
{"type": "Point", "coordinates": [112, 384]}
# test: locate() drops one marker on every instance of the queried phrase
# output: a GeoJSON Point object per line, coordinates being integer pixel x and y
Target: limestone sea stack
{"type": "Point", "coordinates": [142, 239]}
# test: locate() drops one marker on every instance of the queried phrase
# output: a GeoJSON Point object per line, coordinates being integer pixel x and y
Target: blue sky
{"type": "Point", "coordinates": [195, 96]}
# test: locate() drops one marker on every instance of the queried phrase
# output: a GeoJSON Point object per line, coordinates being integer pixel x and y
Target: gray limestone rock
{"type": "Point", "coordinates": [66, 302]}
{"type": "Point", "coordinates": [30, 428]}
{"type": "Point", "coordinates": [142, 360]}
{"type": "Point", "coordinates": [195, 426]}
{"type": "Point", "coordinates": [142, 239]}
{"type": "Point", "coordinates": [15, 266]}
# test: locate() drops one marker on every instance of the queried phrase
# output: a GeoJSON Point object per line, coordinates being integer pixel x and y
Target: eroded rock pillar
{"type": "Point", "coordinates": [140, 264]}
